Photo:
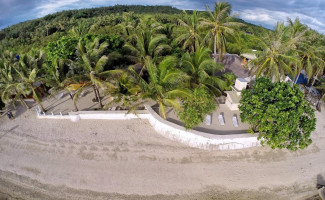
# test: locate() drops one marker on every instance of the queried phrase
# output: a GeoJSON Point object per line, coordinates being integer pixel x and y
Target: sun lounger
{"type": "Point", "coordinates": [208, 120]}
{"type": "Point", "coordinates": [221, 119]}
{"type": "Point", "coordinates": [235, 121]}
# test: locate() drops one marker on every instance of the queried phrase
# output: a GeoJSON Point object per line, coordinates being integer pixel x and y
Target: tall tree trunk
{"type": "Point", "coordinates": [314, 79]}
{"type": "Point", "coordinates": [94, 88]}
{"type": "Point", "coordinates": [297, 76]}
{"type": "Point", "coordinates": [75, 105]}
{"type": "Point", "coordinates": [194, 47]}
{"type": "Point", "coordinates": [99, 98]}
{"type": "Point", "coordinates": [215, 47]}
{"type": "Point", "coordinates": [24, 103]}
{"type": "Point", "coordinates": [40, 104]}
{"type": "Point", "coordinates": [220, 54]}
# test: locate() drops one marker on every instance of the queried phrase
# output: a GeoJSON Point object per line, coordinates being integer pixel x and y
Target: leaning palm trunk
{"type": "Point", "coordinates": [95, 92]}
{"type": "Point", "coordinates": [74, 103]}
{"type": "Point", "coordinates": [23, 102]}
{"type": "Point", "coordinates": [99, 98]}
{"type": "Point", "coordinates": [40, 104]}
{"type": "Point", "coordinates": [36, 98]}
{"type": "Point", "coordinates": [314, 79]}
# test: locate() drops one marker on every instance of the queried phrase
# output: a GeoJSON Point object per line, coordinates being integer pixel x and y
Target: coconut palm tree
{"type": "Point", "coordinates": [201, 69]}
{"type": "Point", "coordinates": [220, 23]}
{"type": "Point", "coordinates": [311, 60]}
{"type": "Point", "coordinates": [278, 57]}
{"type": "Point", "coordinates": [189, 38]}
{"type": "Point", "coordinates": [8, 85]}
{"type": "Point", "coordinates": [165, 85]}
{"type": "Point", "coordinates": [29, 79]}
{"type": "Point", "coordinates": [57, 78]}
{"type": "Point", "coordinates": [91, 57]}
{"type": "Point", "coordinates": [126, 92]}
{"type": "Point", "coordinates": [147, 43]}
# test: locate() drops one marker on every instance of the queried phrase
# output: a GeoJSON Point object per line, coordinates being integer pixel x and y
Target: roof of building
{"type": "Point", "coordinates": [232, 64]}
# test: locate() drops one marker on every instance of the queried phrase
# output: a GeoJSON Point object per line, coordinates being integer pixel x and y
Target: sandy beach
{"type": "Point", "coordinates": [101, 159]}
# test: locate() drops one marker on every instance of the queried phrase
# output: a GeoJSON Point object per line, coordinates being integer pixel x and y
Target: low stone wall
{"type": "Point", "coordinates": [199, 139]}
{"type": "Point", "coordinates": [107, 115]}
{"type": "Point", "coordinates": [168, 129]}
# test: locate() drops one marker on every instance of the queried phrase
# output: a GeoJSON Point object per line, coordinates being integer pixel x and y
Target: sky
{"type": "Point", "coordinates": [260, 12]}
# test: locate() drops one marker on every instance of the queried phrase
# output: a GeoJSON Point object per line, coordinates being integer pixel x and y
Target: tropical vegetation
{"type": "Point", "coordinates": [161, 54]}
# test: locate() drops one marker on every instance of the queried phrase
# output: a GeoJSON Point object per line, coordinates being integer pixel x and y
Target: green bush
{"type": "Point", "coordinates": [280, 113]}
{"type": "Point", "coordinates": [196, 108]}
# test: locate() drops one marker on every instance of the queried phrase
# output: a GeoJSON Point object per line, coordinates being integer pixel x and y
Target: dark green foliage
{"type": "Point", "coordinates": [2, 105]}
{"type": "Point", "coordinates": [229, 79]}
{"type": "Point", "coordinates": [279, 112]}
{"type": "Point", "coordinates": [65, 48]}
{"type": "Point", "coordinates": [114, 42]}
{"type": "Point", "coordinates": [196, 108]}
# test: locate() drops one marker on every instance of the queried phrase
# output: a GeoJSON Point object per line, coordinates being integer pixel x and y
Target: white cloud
{"type": "Point", "coordinates": [270, 18]}
{"type": "Point", "coordinates": [52, 6]}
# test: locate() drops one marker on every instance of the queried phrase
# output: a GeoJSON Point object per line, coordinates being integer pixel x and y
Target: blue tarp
{"type": "Point", "coordinates": [302, 79]}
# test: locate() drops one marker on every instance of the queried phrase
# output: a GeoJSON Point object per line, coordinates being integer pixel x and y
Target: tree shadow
{"type": "Point", "coordinates": [320, 181]}
{"type": "Point", "coordinates": [8, 131]}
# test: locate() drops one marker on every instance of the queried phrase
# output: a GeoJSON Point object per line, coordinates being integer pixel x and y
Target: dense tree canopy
{"type": "Point", "coordinates": [279, 112]}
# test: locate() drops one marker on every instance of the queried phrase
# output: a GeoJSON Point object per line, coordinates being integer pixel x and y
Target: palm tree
{"type": "Point", "coordinates": [57, 78]}
{"type": "Point", "coordinates": [29, 79]}
{"type": "Point", "coordinates": [130, 21]}
{"type": "Point", "coordinates": [8, 86]}
{"type": "Point", "coordinates": [190, 38]}
{"type": "Point", "coordinates": [147, 43]}
{"type": "Point", "coordinates": [311, 60]}
{"type": "Point", "coordinates": [220, 23]}
{"type": "Point", "coordinates": [91, 57]}
{"type": "Point", "coordinates": [165, 84]}
{"type": "Point", "coordinates": [201, 69]}
{"type": "Point", "coordinates": [278, 57]}
{"type": "Point", "coordinates": [167, 30]}
{"type": "Point", "coordinates": [126, 92]}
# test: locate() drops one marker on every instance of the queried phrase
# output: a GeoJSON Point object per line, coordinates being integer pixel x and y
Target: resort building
{"type": "Point", "coordinates": [233, 97]}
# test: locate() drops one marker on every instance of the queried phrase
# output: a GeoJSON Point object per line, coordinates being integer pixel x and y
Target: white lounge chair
{"type": "Point", "coordinates": [208, 120]}
{"type": "Point", "coordinates": [221, 119]}
{"type": "Point", "coordinates": [235, 121]}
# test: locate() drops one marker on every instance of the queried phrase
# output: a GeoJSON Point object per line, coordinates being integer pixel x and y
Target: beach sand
{"type": "Point", "coordinates": [101, 159]}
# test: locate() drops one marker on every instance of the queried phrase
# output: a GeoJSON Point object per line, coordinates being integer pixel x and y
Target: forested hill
{"type": "Point", "coordinates": [24, 28]}
{"type": "Point", "coordinates": [104, 20]}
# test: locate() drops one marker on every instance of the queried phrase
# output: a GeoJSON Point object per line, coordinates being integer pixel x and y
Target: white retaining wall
{"type": "Point", "coordinates": [168, 129]}
{"type": "Point", "coordinates": [199, 139]}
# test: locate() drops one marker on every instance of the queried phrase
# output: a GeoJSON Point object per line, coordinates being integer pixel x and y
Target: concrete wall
{"type": "Point", "coordinates": [168, 129]}
{"type": "Point", "coordinates": [111, 115]}
{"type": "Point", "coordinates": [199, 139]}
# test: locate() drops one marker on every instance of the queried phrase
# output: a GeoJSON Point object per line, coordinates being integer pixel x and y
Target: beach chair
{"type": "Point", "coordinates": [221, 119]}
{"type": "Point", "coordinates": [208, 120]}
{"type": "Point", "coordinates": [235, 121]}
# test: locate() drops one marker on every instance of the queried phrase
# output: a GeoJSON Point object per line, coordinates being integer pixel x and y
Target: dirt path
{"type": "Point", "coordinates": [52, 159]}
